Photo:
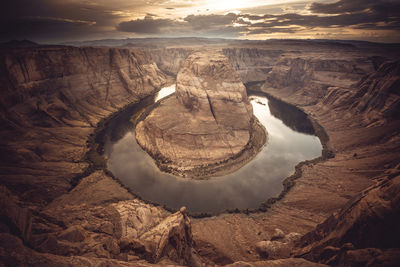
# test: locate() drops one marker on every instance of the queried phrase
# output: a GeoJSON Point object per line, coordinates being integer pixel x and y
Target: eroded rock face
{"type": "Point", "coordinates": [52, 97]}
{"type": "Point", "coordinates": [365, 231]}
{"type": "Point", "coordinates": [19, 219]}
{"type": "Point", "coordinates": [210, 120]}
{"type": "Point", "coordinates": [125, 229]}
{"type": "Point", "coordinates": [171, 60]}
{"type": "Point", "coordinates": [314, 75]}
{"type": "Point", "coordinates": [252, 64]}
{"type": "Point", "coordinates": [378, 94]}
{"type": "Point", "coordinates": [279, 246]}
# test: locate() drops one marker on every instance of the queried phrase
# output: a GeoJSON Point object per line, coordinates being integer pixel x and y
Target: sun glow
{"type": "Point", "coordinates": [222, 5]}
{"type": "Point", "coordinates": [231, 5]}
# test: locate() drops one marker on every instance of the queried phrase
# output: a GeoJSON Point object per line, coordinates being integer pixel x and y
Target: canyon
{"type": "Point", "coordinates": [60, 205]}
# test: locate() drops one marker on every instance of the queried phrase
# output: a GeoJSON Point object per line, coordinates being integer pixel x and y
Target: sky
{"type": "Point", "coordinates": [57, 21]}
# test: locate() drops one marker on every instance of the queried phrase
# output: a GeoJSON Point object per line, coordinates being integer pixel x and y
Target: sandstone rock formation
{"type": "Point", "coordinates": [279, 246]}
{"type": "Point", "coordinates": [277, 263]}
{"type": "Point", "coordinates": [171, 60]}
{"type": "Point", "coordinates": [378, 94]}
{"type": "Point", "coordinates": [74, 224]}
{"type": "Point", "coordinates": [252, 64]}
{"type": "Point", "coordinates": [364, 232]}
{"type": "Point", "coordinates": [209, 122]}
{"type": "Point", "coordinates": [313, 75]}
{"type": "Point", "coordinates": [52, 97]}
{"type": "Point", "coordinates": [361, 154]}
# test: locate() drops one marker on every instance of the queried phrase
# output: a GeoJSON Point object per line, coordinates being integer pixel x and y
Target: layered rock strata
{"type": "Point", "coordinates": [208, 128]}
{"type": "Point", "coordinates": [99, 223]}
{"type": "Point", "coordinates": [363, 233]}
{"type": "Point", "coordinates": [52, 98]}
{"type": "Point", "coordinates": [364, 148]}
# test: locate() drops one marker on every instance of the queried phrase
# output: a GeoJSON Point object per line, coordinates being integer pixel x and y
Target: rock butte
{"type": "Point", "coordinates": [208, 128]}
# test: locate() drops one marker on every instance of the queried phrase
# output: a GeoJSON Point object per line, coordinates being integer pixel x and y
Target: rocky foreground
{"type": "Point", "coordinates": [209, 127]}
{"type": "Point", "coordinates": [58, 208]}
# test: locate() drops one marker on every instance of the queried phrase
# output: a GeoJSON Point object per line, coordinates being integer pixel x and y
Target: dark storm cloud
{"type": "Point", "coordinates": [344, 6]}
{"type": "Point", "coordinates": [43, 20]}
{"type": "Point", "coordinates": [205, 24]}
{"type": "Point", "coordinates": [38, 28]}
{"type": "Point", "coordinates": [61, 20]}
{"type": "Point", "coordinates": [362, 14]}
{"type": "Point", "coordinates": [358, 14]}
{"type": "Point", "coordinates": [314, 21]}
{"type": "Point", "coordinates": [85, 11]}
{"type": "Point", "coordinates": [147, 25]}
{"type": "Point", "coordinates": [209, 21]}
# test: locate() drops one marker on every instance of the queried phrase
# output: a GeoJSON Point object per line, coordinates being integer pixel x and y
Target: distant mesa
{"type": "Point", "coordinates": [208, 128]}
{"type": "Point", "coordinates": [18, 44]}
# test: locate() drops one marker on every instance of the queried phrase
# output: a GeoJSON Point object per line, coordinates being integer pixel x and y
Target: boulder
{"type": "Point", "coordinates": [73, 234]}
{"type": "Point", "coordinates": [279, 246]}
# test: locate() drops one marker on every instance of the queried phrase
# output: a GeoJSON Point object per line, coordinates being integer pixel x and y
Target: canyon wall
{"type": "Point", "coordinates": [53, 204]}
{"type": "Point", "coordinates": [358, 105]}
{"type": "Point", "coordinates": [56, 210]}
{"type": "Point", "coordinates": [52, 98]}
{"type": "Point", "coordinates": [252, 64]}
{"type": "Point", "coordinates": [364, 232]}
{"type": "Point", "coordinates": [313, 75]}
{"type": "Point", "coordinates": [170, 60]}
{"type": "Point", "coordinates": [378, 94]}
{"type": "Point", "coordinates": [353, 95]}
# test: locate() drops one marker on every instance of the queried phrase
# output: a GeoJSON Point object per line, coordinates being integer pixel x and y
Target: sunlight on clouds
{"type": "Point", "coordinates": [252, 19]}
{"type": "Point", "coordinates": [234, 5]}
{"type": "Point", "coordinates": [178, 9]}
{"type": "Point", "coordinates": [327, 33]}
{"type": "Point", "coordinates": [222, 5]}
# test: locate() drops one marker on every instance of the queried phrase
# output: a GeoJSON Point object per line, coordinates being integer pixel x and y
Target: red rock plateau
{"type": "Point", "coordinates": [61, 207]}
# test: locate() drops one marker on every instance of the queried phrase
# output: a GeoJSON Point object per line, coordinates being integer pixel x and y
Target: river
{"type": "Point", "coordinates": [290, 141]}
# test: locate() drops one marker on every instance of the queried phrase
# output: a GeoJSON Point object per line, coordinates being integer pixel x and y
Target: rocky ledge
{"type": "Point", "coordinates": [208, 128]}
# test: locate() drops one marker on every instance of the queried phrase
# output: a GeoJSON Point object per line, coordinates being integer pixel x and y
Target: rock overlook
{"type": "Point", "coordinates": [208, 128]}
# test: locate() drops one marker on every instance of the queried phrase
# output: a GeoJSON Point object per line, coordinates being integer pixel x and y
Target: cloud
{"type": "Point", "coordinates": [362, 14]}
{"type": "Point", "coordinates": [41, 28]}
{"type": "Point", "coordinates": [62, 20]}
{"type": "Point", "coordinates": [146, 25]}
{"type": "Point", "coordinates": [343, 6]}
{"type": "Point", "coordinates": [193, 24]}
{"type": "Point", "coordinates": [210, 21]}
{"type": "Point", "coordinates": [59, 20]}
{"type": "Point", "coordinates": [341, 15]}
{"type": "Point", "coordinates": [357, 14]}
{"type": "Point", "coordinates": [54, 20]}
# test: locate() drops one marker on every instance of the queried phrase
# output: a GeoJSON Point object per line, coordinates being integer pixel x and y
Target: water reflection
{"type": "Point", "coordinates": [166, 91]}
{"type": "Point", "coordinates": [257, 181]}
{"type": "Point", "coordinates": [291, 116]}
